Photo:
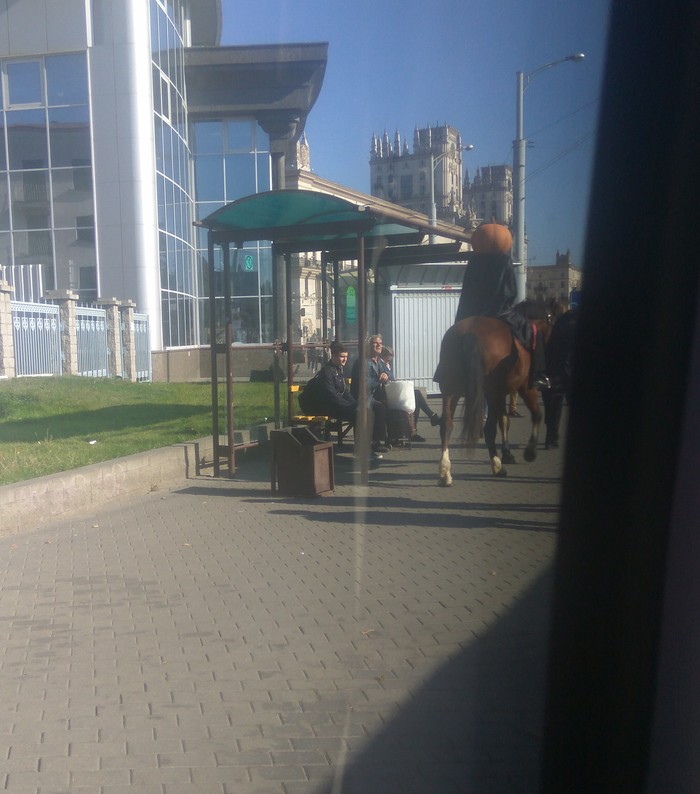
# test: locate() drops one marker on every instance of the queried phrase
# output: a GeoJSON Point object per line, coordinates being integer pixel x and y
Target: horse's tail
{"type": "Point", "coordinates": [473, 389]}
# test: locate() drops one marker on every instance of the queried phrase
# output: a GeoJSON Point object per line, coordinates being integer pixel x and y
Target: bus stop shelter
{"type": "Point", "coordinates": [370, 231]}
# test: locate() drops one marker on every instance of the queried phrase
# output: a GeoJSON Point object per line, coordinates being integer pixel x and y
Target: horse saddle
{"type": "Point", "coordinates": [522, 327]}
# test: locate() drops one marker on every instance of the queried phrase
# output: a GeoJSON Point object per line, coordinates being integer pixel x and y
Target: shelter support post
{"type": "Point", "coordinates": [212, 344]}
{"type": "Point", "coordinates": [276, 336]}
{"type": "Point", "coordinates": [362, 409]}
{"type": "Point", "coordinates": [230, 450]}
{"type": "Point", "coordinates": [324, 296]}
{"type": "Point", "coordinates": [290, 335]}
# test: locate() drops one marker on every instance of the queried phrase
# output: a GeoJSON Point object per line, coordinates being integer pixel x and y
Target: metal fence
{"type": "Point", "coordinates": [142, 342]}
{"type": "Point", "coordinates": [36, 335]}
{"type": "Point", "coordinates": [93, 350]}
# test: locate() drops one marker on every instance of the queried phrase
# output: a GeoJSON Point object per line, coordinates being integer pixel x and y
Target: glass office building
{"type": "Point", "coordinates": [47, 213]}
{"type": "Point", "coordinates": [104, 166]}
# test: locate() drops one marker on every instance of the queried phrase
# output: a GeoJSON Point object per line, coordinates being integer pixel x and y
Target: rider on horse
{"type": "Point", "coordinates": [489, 288]}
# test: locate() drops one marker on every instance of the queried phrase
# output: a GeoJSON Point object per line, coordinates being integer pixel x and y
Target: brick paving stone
{"type": "Point", "coordinates": [216, 638]}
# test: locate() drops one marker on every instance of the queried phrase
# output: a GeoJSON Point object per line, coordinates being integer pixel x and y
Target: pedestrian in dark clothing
{"type": "Point", "coordinates": [560, 351]}
{"type": "Point", "coordinates": [327, 393]}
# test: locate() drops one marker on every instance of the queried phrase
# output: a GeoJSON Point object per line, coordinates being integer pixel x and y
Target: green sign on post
{"type": "Point", "coordinates": [350, 304]}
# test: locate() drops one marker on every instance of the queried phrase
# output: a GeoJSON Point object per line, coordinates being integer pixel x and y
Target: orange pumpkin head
{"type": "Point", "coordinates": [492, 238]}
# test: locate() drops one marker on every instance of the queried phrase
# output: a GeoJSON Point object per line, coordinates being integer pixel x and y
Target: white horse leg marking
{"type": "Point", "coordinates": [445, 469]}
{"type": "Point", "coordinates": [496, 465]}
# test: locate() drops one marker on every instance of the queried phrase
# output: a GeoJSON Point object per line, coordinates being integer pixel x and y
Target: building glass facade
{"type": "Point", "coordinates": [232, 160]}
{"type": "Point", "coordinates": [178, 282]}
{"type": "Point", "coordinates": [47, 212]}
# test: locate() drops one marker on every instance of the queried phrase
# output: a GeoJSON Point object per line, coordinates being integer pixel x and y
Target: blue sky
{"type": "Point", "coordinates": [396, 65]}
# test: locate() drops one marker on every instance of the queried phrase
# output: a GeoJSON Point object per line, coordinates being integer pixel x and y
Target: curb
{"type": "Point", "coordinates": [30, 504]}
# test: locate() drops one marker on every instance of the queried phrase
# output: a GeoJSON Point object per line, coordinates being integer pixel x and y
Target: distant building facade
{"type": "Point", "coordinates": [490, 195]}
{"type": "Point", "coordinates": [403, 176]}
{"type": "Point", "coordinates": [554, 282]}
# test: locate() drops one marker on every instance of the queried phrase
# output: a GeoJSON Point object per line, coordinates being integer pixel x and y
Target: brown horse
{"type": "Point", "coordinates": [480, 359]}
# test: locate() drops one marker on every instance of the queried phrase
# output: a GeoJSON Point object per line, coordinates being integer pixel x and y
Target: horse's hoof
{"type": "Point", "coordinates": [443, 482]}
{"type": "Point", "coordinates": [530, 454]}
{"type": "Point", "coordinates": [508, 457]}
{"type": "Point", "coordinates": [501, 473]}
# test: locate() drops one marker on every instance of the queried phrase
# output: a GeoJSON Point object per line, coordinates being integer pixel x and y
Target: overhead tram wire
{"type": "Point", "coordinates": [559, 156]}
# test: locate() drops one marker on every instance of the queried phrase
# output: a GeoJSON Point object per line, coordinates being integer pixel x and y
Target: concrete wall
{"type": "Point", "coordinates": [194, 363]}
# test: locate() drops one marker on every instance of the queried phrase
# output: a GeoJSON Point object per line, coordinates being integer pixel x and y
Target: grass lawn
{"type": "Point", "coordinates": [49, 425]}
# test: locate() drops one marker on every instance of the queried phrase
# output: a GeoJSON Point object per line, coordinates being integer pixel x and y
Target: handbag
{"type": "Point", "coordinates": [400, 395]}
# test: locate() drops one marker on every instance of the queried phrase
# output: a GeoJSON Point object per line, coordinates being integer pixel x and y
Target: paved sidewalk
{"type": "Point", "coordinates": [214, 638]}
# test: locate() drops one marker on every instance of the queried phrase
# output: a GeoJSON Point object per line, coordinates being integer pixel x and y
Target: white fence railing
{"type": "Point", "coordinates": [36, 336]}
{"type": "Point", "coordinates": [93, 350]}
{"type": "Point", "coordinates": [60, 337]}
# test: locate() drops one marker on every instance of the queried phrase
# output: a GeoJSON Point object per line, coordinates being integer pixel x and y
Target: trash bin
{"type": "Point", "coordinates": [302, 464]}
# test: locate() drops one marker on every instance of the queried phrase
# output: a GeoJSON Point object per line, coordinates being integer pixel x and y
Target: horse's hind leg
{"type": "Point", "coordinates": [449, 403]}
{"type": "Point", "coordinates": [532, 401]}
{"type": "Point", "coordinates": [504, 425]}
{"type": "Point", "coordinates": [492, 420]}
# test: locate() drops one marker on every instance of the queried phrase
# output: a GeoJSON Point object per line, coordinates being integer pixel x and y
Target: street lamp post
{"type": "Point", "coordinates": [523, 81]}
{"type": "Point", "coordinates": [434, 161]}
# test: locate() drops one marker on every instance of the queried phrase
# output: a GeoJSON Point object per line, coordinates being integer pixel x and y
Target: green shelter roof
{"type": "Point", "coordinates": [306, 220]}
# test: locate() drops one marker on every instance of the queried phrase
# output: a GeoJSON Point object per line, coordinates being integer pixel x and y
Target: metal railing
{"type": "Point", "coordinates": [36, 335]}
{"type": "Point", "coordinates": [42, 346]}
{"type": "Point", "coordinates": [93, 350]}
{"type": "Point", "coordinates": [142, 343]}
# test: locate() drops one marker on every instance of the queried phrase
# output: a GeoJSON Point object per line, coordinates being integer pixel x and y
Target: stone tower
{"type": "Point", "coordinates": [403, 177]}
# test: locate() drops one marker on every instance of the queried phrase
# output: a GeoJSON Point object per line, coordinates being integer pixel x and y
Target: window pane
{"type": "Point", "coordinates": [264, 168]}
{"type": "Point", "coordinates": [30, 200]}
{"type": "Point", "coordinates": [26, 139]}
{"type": "Point", "coordinates": [24, 83]}
{"type": "Point", "coordinates": [240, 136]}
{"type": "Point", "coordinates": [209, 183]}
{"type": "Point", "coordinates": [75, 252]}
{"type": "Point", "coordinates": [72, 196]}
{"type": "Point", "coordinates": [4, 208]}
{"type": "Point", "coordinates": [69, 134]}
{"type": "Point", "coordinates": [34, 247]}
{"type": "Point", "coordinates": [240, 176]}
{"type": "Point", "coordinates": [5, 251]}
{"type": "Point", "coordinates": [154, 31]}
{"type": "Point", "coordinates": [66, 79]}
{"type": "Point", "coordinates": [3, 159]}
{"type": "Point", "coordinates": [208, 137]}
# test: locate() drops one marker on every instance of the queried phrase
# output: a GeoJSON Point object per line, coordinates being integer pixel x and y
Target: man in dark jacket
{"type": "Point", "coordinates": [327, 393]}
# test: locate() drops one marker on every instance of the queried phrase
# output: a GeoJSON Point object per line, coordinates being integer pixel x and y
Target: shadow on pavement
{"type": "Point", "coordinates": [476, 725]}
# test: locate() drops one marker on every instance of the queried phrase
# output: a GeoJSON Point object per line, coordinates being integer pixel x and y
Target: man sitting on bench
{"type": "Point", "coordinates": [326, 393]}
